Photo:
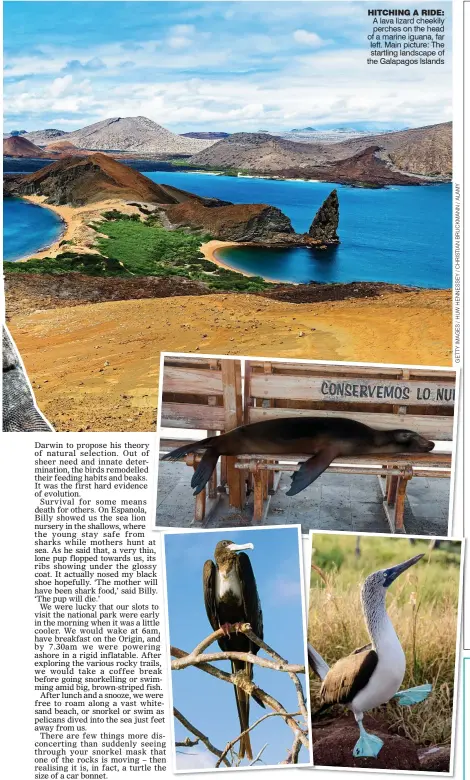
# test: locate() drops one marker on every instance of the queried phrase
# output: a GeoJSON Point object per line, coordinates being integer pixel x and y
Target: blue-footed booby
{"type": "Point", "coordinates": [231, 597]}
{"type": "Point", "coordinates": [372, 674]}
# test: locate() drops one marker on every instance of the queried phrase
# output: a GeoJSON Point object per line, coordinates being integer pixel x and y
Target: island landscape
{"type": "Point", "coordinates": [124, 238]}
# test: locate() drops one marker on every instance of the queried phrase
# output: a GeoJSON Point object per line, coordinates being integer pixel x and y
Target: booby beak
{"type": "Point", "coordinates": [238, 547]}
{"type": "Point", "coordinates": [394, 571]}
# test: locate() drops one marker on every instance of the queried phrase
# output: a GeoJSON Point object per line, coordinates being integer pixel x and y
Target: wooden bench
{"type": "Point", "coordinates": [206, 394]}
{"type": "Point", "coordinates": [384, 398]}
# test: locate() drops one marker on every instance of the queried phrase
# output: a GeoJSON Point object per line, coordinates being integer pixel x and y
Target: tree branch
{"type": "Point", "coordinates": [233, 742]}
{"type": "Point", "coordinates": [200, 660]}
{"type": "Point", "coordinates": [288, 668]}
{"type": "Point", "coordinates": [185, 722]}
{"type": "Point", "coordinates": [232, 655]}
{"type": "Point", "coordinates": [293, 757]}
{"type": "Point", "coordinates": [196, 656]}
{"type": "Point", "coordinates": [187, 743]}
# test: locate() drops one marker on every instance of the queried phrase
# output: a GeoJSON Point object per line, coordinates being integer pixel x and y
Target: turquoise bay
{"type": "Point", "coordinates": [399, 235]}
{"type": "Point", "coordinates": [27, 228]}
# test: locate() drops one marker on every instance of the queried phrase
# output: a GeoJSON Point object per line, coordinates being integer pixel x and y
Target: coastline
{"type": "Point", "coordinates": [75, 220]}
{"type": "Point", "coordinates": [209, 250]}
{"type": "Point", "coordinates": [43, 250]}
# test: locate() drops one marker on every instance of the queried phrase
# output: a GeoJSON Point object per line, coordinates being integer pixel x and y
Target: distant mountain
{"type": "Point", "coordinates": [425, 151]}
{"type": "Point", "coordinates": [62, 146]}
{"type": "Point", "coordinates": [19, 146]}
{"type": "Point", "coordinates": [325, 136]}
{"type": "Point", "coordinates": [260, 152]}
{"type": "Point", "coordinates": [210, 136]}
{"type": "Point", "coordinates": [44, 137]}
{"type": "Point", "coordinates": [77, 181]}
{"type": "Point", "coordinates": [134, 134]}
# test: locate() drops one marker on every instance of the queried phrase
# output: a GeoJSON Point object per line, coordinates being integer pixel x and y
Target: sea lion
{"type": "Point", "coordinates": [326, 438]}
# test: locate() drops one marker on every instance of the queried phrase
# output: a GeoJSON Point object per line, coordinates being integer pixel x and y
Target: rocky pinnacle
{"type": "Point", "coordinates": [326, 220]}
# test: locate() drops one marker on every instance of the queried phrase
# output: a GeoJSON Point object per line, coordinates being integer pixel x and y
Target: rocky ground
{"type": "Point", "coordinates": [334, 739]}
{"type": "Point", "coordinates": [94, 366]}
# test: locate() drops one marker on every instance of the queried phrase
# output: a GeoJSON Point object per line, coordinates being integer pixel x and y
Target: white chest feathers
{"type": "Point", "coordinates": [228, 585]}
{"type": "Point", "coordinates": [387, 676]}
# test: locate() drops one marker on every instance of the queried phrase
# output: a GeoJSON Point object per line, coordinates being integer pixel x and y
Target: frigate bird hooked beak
{"type": "Point", "coordinates": [231, 597]}
{"type": "Point", "coordinates": [371, 675]}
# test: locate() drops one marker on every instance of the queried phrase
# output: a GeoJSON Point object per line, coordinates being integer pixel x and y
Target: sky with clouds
{"type": "Point", "coordinates": [207, 702]}
{"type": "Point", "coordinates": [229, 66]}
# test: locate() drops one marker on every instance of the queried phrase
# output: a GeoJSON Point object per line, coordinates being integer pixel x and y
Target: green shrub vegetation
{"type": "Point", "coordinates": [129, 246]}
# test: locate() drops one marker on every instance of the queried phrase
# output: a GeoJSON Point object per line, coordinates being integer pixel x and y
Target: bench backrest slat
{"type": "Point", "coordinates": [350, 390]}
{"type": "Point", "coordinates": [433, 427]}
{"type": "Point", "coordinates": [417, 399]}
{"type": "Point", "coordinates": [204, 395]}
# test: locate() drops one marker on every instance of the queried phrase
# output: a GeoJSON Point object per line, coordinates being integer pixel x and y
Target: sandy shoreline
{"type": "Point", "coordinates": [75, 220]}
{"type": "Point", "coordinates": [209, 250]}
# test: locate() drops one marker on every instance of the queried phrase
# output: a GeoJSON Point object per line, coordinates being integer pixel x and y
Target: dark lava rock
{"type": "Point", "coordinates": [31, 291]}
{"type": "Point", "coordinates": [335, 748]}
{"type": "Point", "coordinates": [434, 759]}
{"type": "Point", "coordinates": [251, 222]}
{"type": "Point", "coordinates": [325, 224]}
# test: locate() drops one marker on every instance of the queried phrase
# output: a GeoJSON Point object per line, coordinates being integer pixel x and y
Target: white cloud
{"type": "Point", "coordinates": [196, 759]}
{"type": "Point", "coordinates": [179, 42]}
{"type": "Point", "coordinates": [60, 86]}
{"type": "Point", "coordinates": [311, 39]}
{"type": "Point", "coordinates": [183, 29]}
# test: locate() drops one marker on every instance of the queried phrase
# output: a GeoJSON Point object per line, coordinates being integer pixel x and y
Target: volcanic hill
{"type": "Point", "coordinates": [134, 134]}
{"type": "Point", "coordinates": [45, 137]}
{"type": "Point", "coordinates": [77, 181]}
{"type": "Point", "coordinates": [423, 151]}
{"type": "Point", "coordinates": [19, 146]}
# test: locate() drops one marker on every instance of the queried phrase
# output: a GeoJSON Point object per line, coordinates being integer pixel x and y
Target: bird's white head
{"type": "Point", "coordinates": [226, 550]}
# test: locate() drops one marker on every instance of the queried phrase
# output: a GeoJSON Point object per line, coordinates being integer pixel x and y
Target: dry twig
{"type": "Point", "coordinates": [186, 723]}
{"type": "Point", "coordinates": [201, 660]}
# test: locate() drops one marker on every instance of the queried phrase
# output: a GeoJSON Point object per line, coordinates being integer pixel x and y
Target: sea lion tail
{"type": "Point", "coordinates": [204, 470]}
{"type": "Point", "coordinates": [187, 449]}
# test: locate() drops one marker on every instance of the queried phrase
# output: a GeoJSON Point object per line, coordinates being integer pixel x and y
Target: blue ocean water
{"type": "Point", "coordinates": [27, 228]}
{"type": "Point", "coordinates": [400, 235]}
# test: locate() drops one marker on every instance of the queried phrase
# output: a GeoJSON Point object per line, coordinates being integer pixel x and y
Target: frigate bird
{"type": "Point", "coordinates": [323, 438]}
{"type": "Point", "coordinates": [231, 597]}
{"type": "Point", "coordinates": [372, 674]}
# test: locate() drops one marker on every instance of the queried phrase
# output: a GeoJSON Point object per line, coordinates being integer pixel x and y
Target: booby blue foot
{"type": "Point", "coordinates": [368, 745]}
{"type": "Point", "coordinates": [413, 695]}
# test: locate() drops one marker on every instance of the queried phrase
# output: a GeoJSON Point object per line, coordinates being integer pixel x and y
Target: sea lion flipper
{"type": "Point", "coordinates": [311, 469]}
{"type": "Point", "coordinates": [204, 471]}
